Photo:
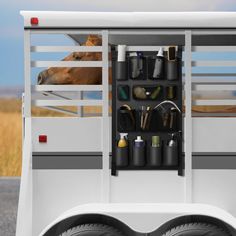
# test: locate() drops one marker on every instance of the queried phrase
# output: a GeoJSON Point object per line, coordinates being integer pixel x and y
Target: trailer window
{"type": "Point", "coordinates": [61, 73]}
{"type": "Point", "coordinates": [213, 76]}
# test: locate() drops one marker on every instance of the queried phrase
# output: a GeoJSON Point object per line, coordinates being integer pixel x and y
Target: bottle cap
{"type": "Point", "coordinates": [155, 140]}
{"type": "Point", "coordinates": [160, 52]}
{"type": "Point", "coordinates": [121, 52]}
{"type": "Point", "coordinates": [133, 54]}
{"type": "Point", "coordinates": [138, 139]}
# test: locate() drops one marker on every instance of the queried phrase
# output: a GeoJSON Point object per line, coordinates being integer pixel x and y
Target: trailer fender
{"type": "Point", "coordinates": [144, 218]}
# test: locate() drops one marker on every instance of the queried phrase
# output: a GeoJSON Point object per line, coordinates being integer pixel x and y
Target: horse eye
{"type": "Point", "coordinates": [76, 56]}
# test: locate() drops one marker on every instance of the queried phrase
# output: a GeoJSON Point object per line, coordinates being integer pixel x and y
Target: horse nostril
{"type": "Point", "coordinates": [40, 78]}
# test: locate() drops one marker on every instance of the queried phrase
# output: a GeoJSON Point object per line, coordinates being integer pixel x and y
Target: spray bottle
{"type": "Point", "coordinates": [172, 142]}
{"type": "Point", "coordinates": [123, 140]}
{"type": "Point", "coordinates": [159, 63]}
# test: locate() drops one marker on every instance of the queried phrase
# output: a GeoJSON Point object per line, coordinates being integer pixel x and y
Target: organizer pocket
{"type": "Point", "coordinates": [139, 156]}
{"type": "Point", "coordinates": [167, 121]}
{"type": "Point", "coordinates": [155, 68]}
{"type": "Point", "coordinates": [126, 120]}
{"type": "Point", "coordinates": [137, 67]}
{"type": "Point", "coordinates": [147, 121]}
{"type": "Point", "coordinates": [122, 156]}
{"type": "Point", "coordinates": [172, 69]}
{"type": "Point", "coordinates": [171, 92]}
{"type": "Point", "coordinates": [144, 92]}
{"type": "Point", "coordinates": [123, 92]}
{"type": "Point", "coordinates": [121, 70]}
{"type": "Point", "coordinates": [170, 155]}
{"type": "Point", "coordinates": [154, 157]}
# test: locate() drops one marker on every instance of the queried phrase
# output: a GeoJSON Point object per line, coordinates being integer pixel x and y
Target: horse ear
{"type": "Point", "coordinates": [93, 40]}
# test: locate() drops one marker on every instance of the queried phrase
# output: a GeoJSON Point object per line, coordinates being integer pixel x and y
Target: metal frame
{"type": "Point", "coordinates": [105, 119]}
{"type": "Point", "coordinates": [105, 64]}
{"type": "Point", "coordinates": [188, 117]}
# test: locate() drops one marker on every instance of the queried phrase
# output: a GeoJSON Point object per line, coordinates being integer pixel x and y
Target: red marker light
{"type": "Point", "coordinates": [34, 21]}
{"type": "Point", "coordinates": [42, 138]}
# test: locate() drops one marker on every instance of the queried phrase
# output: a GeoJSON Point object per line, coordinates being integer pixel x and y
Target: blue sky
{"type": "Point", "coordinates": [11, 23]}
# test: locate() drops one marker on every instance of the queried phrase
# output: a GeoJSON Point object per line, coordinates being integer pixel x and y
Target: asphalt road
{"type": "Point", "coordinates": [9, 191]}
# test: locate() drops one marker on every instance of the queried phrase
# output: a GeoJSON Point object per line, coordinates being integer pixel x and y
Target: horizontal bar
{"type": "Point", "coordinates": [46, 103]}
{"type": "Point", "coordinates": [217, 81]}
{"type": "Point", "coordinates": [213, 114]}
{"type": "Point", "coordinates": [213, 63]}
{"type": "Point", "coordinates": [66, 48]}
{"type": "Point", "coordinates": [66, 63]}
{"type": "Point", "coordinates": [145, 48]}
{"type": "Point", "coordinates": [214, 49]}
{"type": "Point", "coordinates": [194, 48]}
{"type": "Point", "coordinates": [215, 87]}
{"type": "Point", "coordinates": [41, 88]}
{"type": "Point", "coordinates": [67, 162]}
{"type": "Point", "coordinates": [65, 31]}
{"type": "Point", "coordinates": [223, 102]}
{"type": "Point", "coordinates": [93, 161]}
{"type": "Point", "coordinates": [213, 32]}
{"type": "Point", "coordinates": [146, 32]}
{"type": "Point", "coordinates": [212, 74]}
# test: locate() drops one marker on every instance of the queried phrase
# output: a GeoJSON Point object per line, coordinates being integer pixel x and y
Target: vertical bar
{"type": "Point", "coordinates": [24, 214]}
{"type": "Point", "coordinates": [25, 205]}
{"type": "Point", "coordinates": [188, 116]}
{"type": "Point", "coordinates": [80, 108]}
{"type": "Point", "coordinates": [27, 74]}
{"type": "Point", "coordinates": [105, 120]}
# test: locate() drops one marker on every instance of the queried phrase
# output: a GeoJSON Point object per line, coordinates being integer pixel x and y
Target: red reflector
{"type": "Point", "coordinates": [34, 21]}
{"type": "Point", "coordinates": [42, 138]}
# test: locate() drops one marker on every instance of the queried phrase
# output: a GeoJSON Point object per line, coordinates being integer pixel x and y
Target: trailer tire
{"type": "Point", "coordinates": [196, 229]}
{"type": "Point", "coordinates": [92, 230]}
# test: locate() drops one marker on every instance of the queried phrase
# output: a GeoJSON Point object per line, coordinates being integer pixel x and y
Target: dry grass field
{"type": "Point", "coordinates": [10, 137]}
{"type": "Point", "coordinates": [11, 133]}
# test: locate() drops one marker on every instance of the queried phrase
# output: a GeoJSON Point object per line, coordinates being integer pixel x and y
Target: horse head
{"type": "Point", "coordinates": [76, 75]}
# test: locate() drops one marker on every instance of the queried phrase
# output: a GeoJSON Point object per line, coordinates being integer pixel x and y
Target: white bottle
{"type": "Point", "coordinates": [138, 142]}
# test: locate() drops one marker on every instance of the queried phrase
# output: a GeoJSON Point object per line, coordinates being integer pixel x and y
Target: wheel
{"type": "Point", "coordinates": [92, 230]}
{"type": "Point", "coordinates": [196, 229]}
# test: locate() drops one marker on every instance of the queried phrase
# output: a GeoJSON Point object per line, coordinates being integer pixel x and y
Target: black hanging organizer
{"type": "Point", "coordinates": [128, 121]}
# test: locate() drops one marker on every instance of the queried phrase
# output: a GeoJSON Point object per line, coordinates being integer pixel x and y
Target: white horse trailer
{"type": "Point", "coordinates": [67, 187]}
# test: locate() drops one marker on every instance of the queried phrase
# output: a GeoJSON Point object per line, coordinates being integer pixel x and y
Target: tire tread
{"type": "Point", "coordinates": [88, 227]}
{"type": "Point", "coordinates": [180, 228]}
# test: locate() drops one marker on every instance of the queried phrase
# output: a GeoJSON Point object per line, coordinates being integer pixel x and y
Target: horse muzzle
{"type": "Point", "coordinates": [42, 78]}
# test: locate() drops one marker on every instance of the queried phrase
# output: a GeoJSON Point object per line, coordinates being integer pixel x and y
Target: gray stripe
{"type": "Point", "coordinates": [67, 162]}
{"type": "Point", "coordinates": [214, 153]}
{"type": "Point", "coordinates": [88, 161]}
{"type": "Point", "coordinates": [226, 162]}
{"type": "Point", "coordinates": [67, 153]}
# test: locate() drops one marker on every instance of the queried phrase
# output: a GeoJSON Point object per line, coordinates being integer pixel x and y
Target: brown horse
{"type": "Point", "coordinates": [76, 75]}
